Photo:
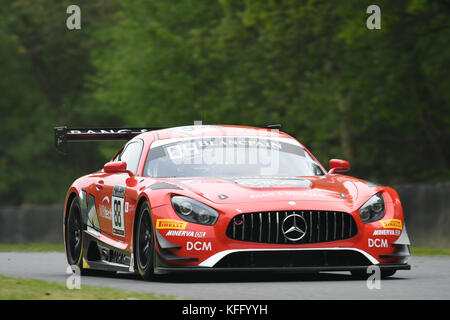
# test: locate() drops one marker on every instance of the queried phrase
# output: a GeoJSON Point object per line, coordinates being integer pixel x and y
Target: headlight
{"type": "Point", "coordinates": [373, 209]}
{"type": "Point", "coordinates": [193, 211]}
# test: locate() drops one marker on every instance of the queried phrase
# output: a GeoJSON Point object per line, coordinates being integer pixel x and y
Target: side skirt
{"type": "Point", "coordinates": [98, 255]}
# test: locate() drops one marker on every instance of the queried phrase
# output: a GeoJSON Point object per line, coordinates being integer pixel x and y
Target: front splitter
{"type": "Point", "coordinates": [167, 270]}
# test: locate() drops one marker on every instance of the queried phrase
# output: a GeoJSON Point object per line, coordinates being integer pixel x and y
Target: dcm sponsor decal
{"type": "Point", "coordinates": [198, 246]}
{"type": "Point", "coordinates": [378, 243]}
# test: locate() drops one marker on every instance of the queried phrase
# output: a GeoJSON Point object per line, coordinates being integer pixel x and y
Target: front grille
{"type": "Point", "coordinates": [272, 227]}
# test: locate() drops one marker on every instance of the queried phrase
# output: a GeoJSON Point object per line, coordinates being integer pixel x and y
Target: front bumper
{"type": "Point", "coordinates": [283, 260]}
{"type": "Point", "coordinates": [215, 250]}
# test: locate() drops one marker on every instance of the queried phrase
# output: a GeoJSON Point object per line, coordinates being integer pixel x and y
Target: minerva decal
{"type": "Point", "coordinates": [386, 232]}
{"type": "Point", "coordinates": [186, 233]}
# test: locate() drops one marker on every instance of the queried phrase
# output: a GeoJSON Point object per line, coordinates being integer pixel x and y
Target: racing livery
{"type": "Point", "coordinates": [226, 198]}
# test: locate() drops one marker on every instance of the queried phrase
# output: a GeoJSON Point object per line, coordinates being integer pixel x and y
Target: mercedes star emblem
{"type": "Point", "coordinates": [294, 227]}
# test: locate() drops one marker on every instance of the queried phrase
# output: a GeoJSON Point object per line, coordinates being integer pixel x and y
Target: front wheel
{"type": "Point", "coordinates": [144, 247]}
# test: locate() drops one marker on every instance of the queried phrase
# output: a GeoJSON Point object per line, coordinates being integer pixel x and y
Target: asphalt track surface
{"type": "Point", "coordinates": [429, 278]}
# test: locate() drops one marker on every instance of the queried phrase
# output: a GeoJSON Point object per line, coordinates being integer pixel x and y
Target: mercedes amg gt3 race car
{"type": "Point", "coordinates": [226, 198]}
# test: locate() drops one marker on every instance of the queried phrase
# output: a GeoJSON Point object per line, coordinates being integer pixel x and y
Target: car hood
{"type": "Point", "coordinates": [241, 190]}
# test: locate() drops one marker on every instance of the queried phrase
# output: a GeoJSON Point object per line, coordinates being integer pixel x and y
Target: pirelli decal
{"type": "Point", "coordinates": [170, 224]}
{"type": "Point", "coordinates": [392, 224]}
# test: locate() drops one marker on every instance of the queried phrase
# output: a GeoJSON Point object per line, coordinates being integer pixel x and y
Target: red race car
{"type": "Point", "coordinates": [226, 198]}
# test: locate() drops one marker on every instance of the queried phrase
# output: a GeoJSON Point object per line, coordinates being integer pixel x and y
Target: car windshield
{"type": "Point", "coordinates": [229, 157]}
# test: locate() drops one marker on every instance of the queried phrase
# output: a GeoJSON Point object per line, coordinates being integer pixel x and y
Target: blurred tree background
{"type": "Point", "coordinates": [379, 98]}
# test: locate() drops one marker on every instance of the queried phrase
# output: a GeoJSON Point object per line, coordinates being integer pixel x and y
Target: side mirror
{"type": "Point", "coordinates": [115, 167]}
{"type": "Point", "coordinates": [120, 167]}
{"type": "Point", "coordinates": [338, 165]}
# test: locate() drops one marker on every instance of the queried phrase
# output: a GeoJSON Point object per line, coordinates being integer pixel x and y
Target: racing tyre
{"type": "Point", "coordinates": [74, 235]}
{"type": "Point", "coordinates": [74, 241]}
{"type": "Point", "coordinates": [144, 243]}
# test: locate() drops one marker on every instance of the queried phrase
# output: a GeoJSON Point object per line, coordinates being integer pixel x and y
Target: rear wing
{"type": "Point", "coordinates": [64, 135]}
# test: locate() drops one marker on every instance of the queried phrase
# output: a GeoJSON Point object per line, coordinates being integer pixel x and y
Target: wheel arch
{"type": "Point", "coordinates": [142, 199]}
{"type": "Point", "coordinates": [70, 198]}
{"type": "Point", "coordinates": [72, 194]}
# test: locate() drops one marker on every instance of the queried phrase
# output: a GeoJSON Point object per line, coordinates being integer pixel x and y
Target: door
{"type": "Point", "coordinates": [112, 192]}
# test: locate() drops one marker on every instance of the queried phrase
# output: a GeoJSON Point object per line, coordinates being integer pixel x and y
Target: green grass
{"type": "Point", "coordinates": [423, 251]}
{"type": "Point", "coordinates": [31, 289]}
{"type": "Point", "coordinates": [33, 247]}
